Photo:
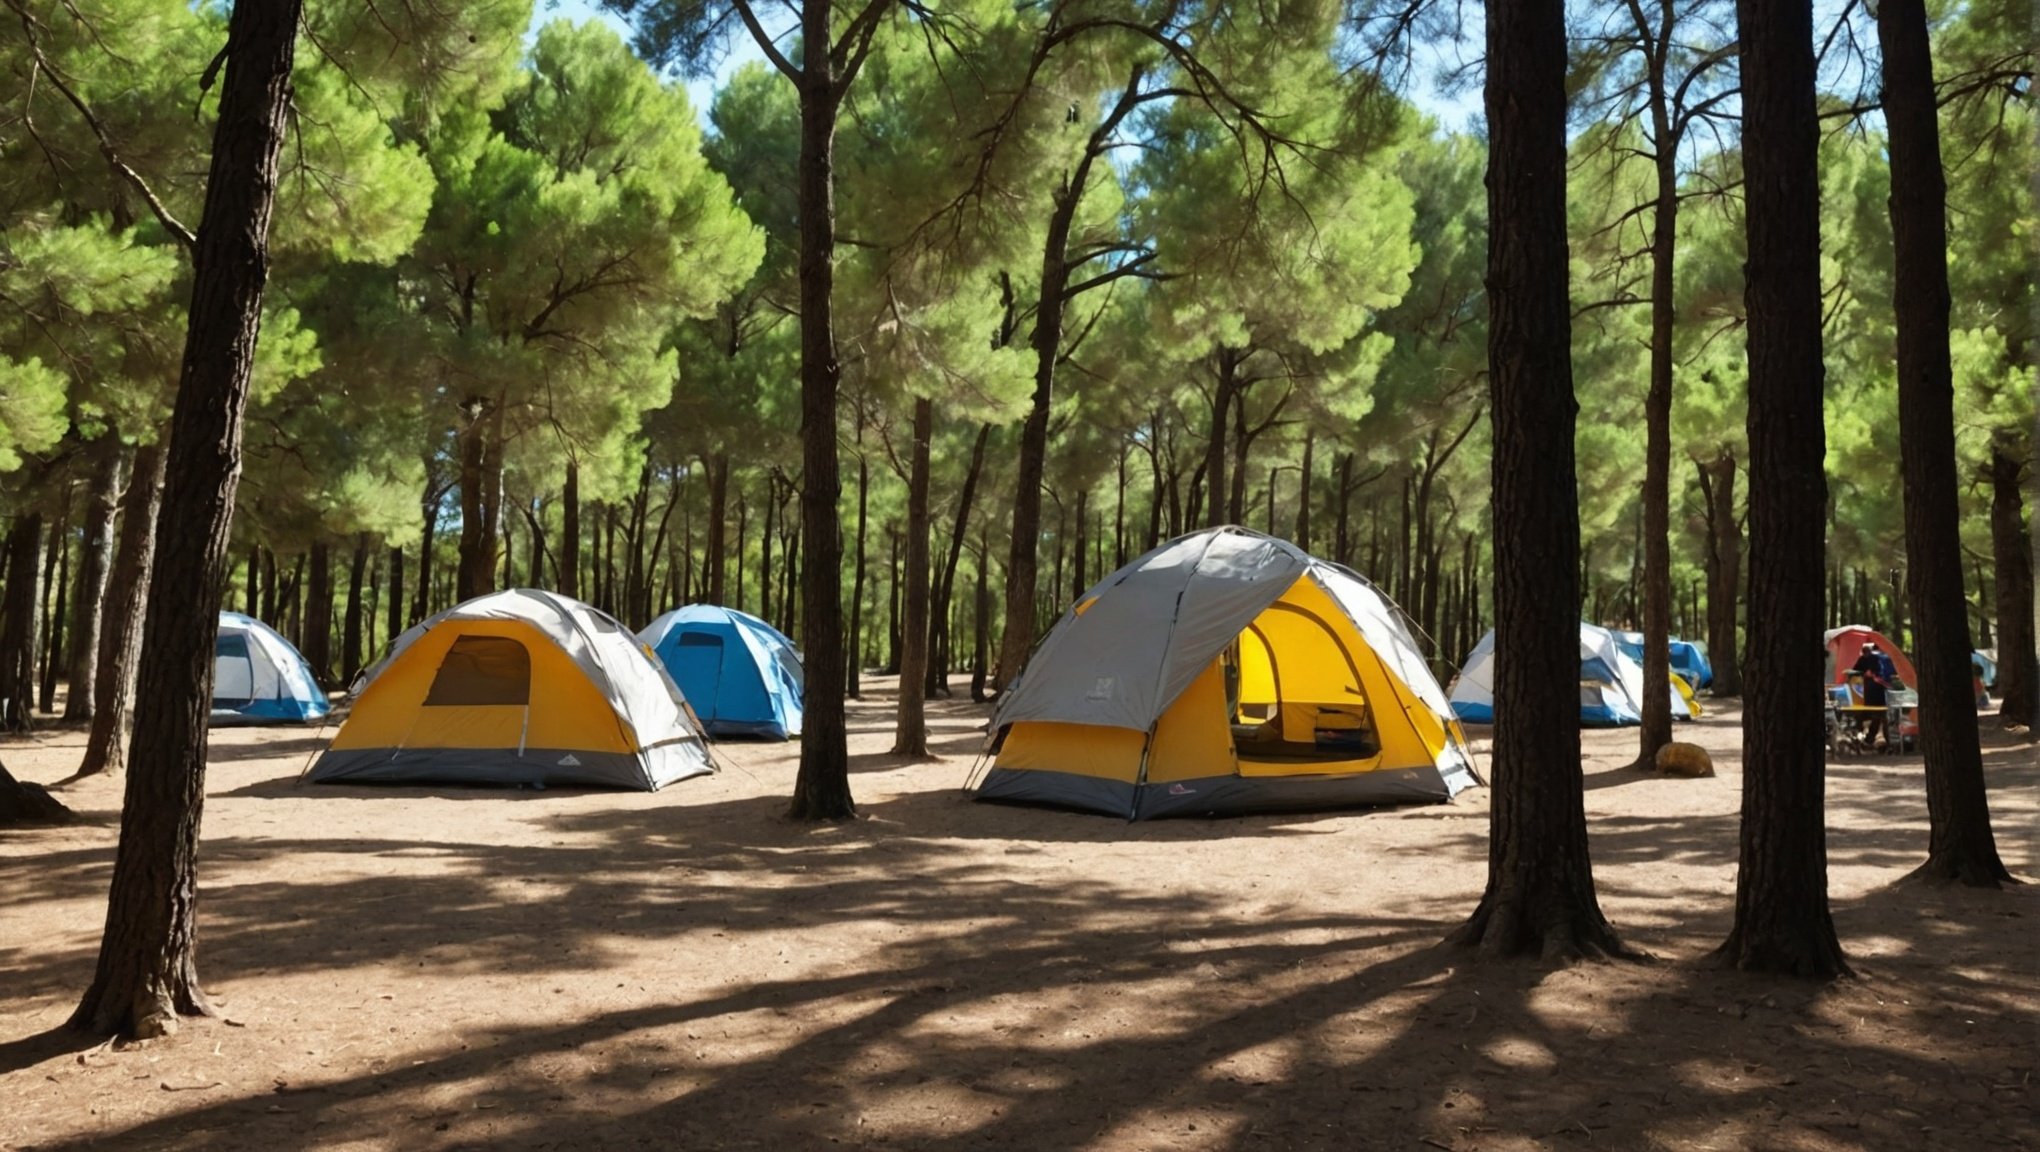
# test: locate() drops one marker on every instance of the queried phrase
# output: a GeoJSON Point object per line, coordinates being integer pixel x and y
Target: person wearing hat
{"type": "Point", "coordinates": [1871, 664]}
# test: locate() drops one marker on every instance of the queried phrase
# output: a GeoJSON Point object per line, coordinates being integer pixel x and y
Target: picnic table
{"type": "Point", "coordinates": [1848, 717]}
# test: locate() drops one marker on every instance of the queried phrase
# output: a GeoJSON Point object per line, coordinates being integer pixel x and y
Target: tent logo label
{"type": "Point", "coordinates": [1179, 790]}
{"type": "Point", "coordinates": [1101, 689]}
{"type": "Point", "coordinates": [569, 761]}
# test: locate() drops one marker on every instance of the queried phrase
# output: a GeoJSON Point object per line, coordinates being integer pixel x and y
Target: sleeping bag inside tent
{"type": "Point", "coordinates": [517, 687]}
{"type": "Point", "coordinates": [1226, 672]}
{"type": "Point", "coordinates": [259, 678]}
{"type": "Point", "coordinates": [741, 675]}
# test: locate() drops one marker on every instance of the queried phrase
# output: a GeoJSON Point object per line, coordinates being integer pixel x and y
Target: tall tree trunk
{"type": "Point", "coordinates": [718, 519]}
{"type": "Point", "coordinates": [910, 736]}
{"type": "Point", "coordinates": [790, 621]}
{"type": "Point", "coordinates": [1960, 846]}
{"type": "Point", "coordinates": [1077, 581]}
{"type": "Point", "coordinates": [1540, 888]}
{"type": "Point", "coordinates": [395, 627]}
{"type": "Point", "coordinates": [272, 586]}
{"type": "Point", "coordinates": [942, 658]}
{"type": "Point", "coordinates": [294, 601]}
{"type": "Point", "coordinates": [743, 528]}
{"type": "Point", "coordinates": [423, 607]}
{"type": "Point", "coordinates": [1342, 541]}
{"type": "Point", "coordinates": [1303, 491]}
{"type": "Point", "coordinates": [1119, 514]}
{"type": "Point", "coordinates": [127, 608]}
{"type": "Point", "coordinates": [351, 624]}
{"type": "Point", "coordinates": [255, 581]}
{"type": "Point", "coordinates": [892, 598]}
{"type": "Point", "coordinates": [1022, 564]}
{"type": "Point", "coordinates": [147, 973]}
{"type": "Point", "coordinates": [479, 530]}
{"type": "Point", "coordinates": [852, 667]}
{"type": "Point", "coordinates": [318, 632]}
{"type": "Point", "coordinates": [23, 550]}
{"type": "Point", "coordinates": [1724, 574]}
{"type": "Point", "coordinates": [1657, 421]}
{"type": "Point", "coordinates": [1236, 502]}
{"type": "Point", "coordinates": [981, 621]}
{"type": "Point", "coordinates": [821, 789]}
{"type": "Point", "coordinates": [1215, 448]}
{"type": "Point", "coordinates": [1782, 923]}
{"type": "Point", "coordinates": [102, 505]}
{"type": "Point", "coordinates": [59, 581]}
{"type": "Point", "coordinates": [570, 532]}
{"type": "Point", "coordinates": [2011, 548]}
{"type": "Point", "coordinates": [765, 586]}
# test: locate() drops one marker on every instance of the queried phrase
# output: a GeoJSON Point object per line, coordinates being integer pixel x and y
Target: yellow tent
{"type": "Point", "coordinates": [517, 687]}
{"type": "Point", "coordinates": [1227, 672]}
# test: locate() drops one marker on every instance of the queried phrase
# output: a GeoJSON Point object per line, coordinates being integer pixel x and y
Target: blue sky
{"type": "Point", "coordinates": [1454, 113]}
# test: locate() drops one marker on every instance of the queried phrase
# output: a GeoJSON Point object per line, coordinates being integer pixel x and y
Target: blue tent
{"type": "Point", "coordinates": [740, 674]}
{"type": "Point", "coordinates": [259, 678]}
{"type": "Point", "coordinates": [1689, 659]}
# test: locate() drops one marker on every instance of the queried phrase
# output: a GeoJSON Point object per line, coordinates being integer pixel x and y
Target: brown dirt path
{"type": "Point", "coordinates": [443, 968]}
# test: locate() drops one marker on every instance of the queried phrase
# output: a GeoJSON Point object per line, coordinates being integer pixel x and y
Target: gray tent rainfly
{"type": "Point", "coordinates": [1227, 671]}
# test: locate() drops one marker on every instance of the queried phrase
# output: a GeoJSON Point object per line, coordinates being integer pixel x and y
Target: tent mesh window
{"type": "Point", "coordinates": [233, 671]}
{"type": "Point", "coordinates": [482, 670]}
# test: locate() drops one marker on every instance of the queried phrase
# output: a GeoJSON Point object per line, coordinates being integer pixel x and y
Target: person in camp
{"type": "Point", "coordinates": [1877, 672]}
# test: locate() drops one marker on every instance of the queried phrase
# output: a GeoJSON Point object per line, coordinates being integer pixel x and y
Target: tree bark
{"type": "Point", "coordinates": [981, 619]}
{"type": "Point", "coordinates": [57, 581]}
{"type": "Point", "coordinates": [1303, 491]}
{"type": "Point", "coordinates": [395, 626]}
{"type": "Point", "coordinates": [95, 561]}
{"type": "Point", "coordinates": [1540, 889]}
{"type": "Point", "coordinates": [318, 631]}
{"type": "Point", "coordinates": [1724, 573]}
{"type": "Point", "coordinates": [939, 645]}
{"type": "Point", "coordinates": [127, 608]}
{"type": "Point", "coordinates": [481, 497]}
{"type": "Point", "coordinates": [1782, 924]}
{"type": "Point", "coordinates": [821, 789]}
{"type": "Point", "coordinates": [852, 667]}
{"type": "Point", "coordinates": [765, 538]}
{"type": "Point", "coordinates": [570, 532]}
{"type": "Point", "coordinates": [422, 607]}
{"type": "Point", "coordinates": [1657, 422]}
{"type": "Point", "coordinates": [2011, 547]}
{"type": "Point", "coordinates": [910, 735]}
{"type": "Point", "coordinates": [1215, 449]}
{"type": "Point", "coordinates": [718, 517]}
{"type": "Point", "coordinates": [351, 622]}
{"type": "Point", "coordinates": [1960, 846]}
{"type": "Point", "coordinates": [147, 973]}
{"type": "Point", "coordinates": [23, 550]}
{"type": "Point", "coordinates": [1022, 565]}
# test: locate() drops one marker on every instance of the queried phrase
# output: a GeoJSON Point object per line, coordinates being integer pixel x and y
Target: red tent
{"type": "Point", "coordinates": [1844, 644]}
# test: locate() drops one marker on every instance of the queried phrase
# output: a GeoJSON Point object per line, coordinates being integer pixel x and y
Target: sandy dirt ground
{"type": "Point", "coordinates": [426, 968]}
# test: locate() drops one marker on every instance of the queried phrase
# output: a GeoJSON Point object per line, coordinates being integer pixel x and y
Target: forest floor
{"type": "Point", "coordinates": [424, 968]}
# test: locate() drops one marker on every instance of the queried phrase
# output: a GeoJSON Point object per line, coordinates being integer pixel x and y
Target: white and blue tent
{"type": "Point", "coordinates": [259, 678]}
{"type": "Point", "coordinates": [742, 675]}
{"type": "Point", "coordinates": [1611, 683]}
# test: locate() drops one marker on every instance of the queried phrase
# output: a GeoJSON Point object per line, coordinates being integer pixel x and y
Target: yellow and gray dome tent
{"type": "Point", "coordinates": [1227, 672]}
{"type": "Point", "coordinates": [517, 687]}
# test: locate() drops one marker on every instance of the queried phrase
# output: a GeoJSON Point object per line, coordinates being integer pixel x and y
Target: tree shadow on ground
{"type": "Point", "coordinates": [884, 981]}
